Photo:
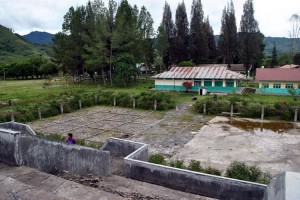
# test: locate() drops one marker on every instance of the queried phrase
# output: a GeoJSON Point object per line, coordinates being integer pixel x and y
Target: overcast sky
{"type": "Point", "coordinates": [24, 16]}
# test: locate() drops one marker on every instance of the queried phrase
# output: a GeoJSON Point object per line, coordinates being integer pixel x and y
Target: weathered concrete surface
{"type": "Point", "coordinates": [218, 144]}
{"type": "Point", "coordinates": [27, 183]}
{"type": "Point", "coordinates": [15, 126]}
{"type": "Point", "coordinates": [284, 187]}
{"type": "Point", "coordinates": [12, 189]}
{"type": "Point", "coordinates": [8, 152]}
{"type": "Point", "coordinates": [197, 183]}
{"type": "Point", "coordinates": [48, 156]}
{"type": "Point", "coordinates": [120, 148]}
{"type": "Point", "coordinates": [109, 187]}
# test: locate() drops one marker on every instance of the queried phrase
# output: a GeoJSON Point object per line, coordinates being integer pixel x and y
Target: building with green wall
{"type": "Point", "coordinates": [210, 77]}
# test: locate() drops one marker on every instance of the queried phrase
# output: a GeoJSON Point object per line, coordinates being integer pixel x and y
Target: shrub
{"type": "Point", "coordinates": [124, 99]}
{"type": "Point", "coordinates": [241, 171]}
{"type": "Point", "coordinates": [213, 171]}
{"type": "Point", "coordinates": [157, 159]}
{"type": "Point", "coordinates": [177, 163]}
{"type": "Point", "coordinates": [195, 166]}
{"type": "Point", "coordinates": [56, 137]}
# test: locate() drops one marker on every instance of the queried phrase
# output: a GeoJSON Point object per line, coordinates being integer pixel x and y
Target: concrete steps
{"type": "Point", "coordinates": [27, 183]}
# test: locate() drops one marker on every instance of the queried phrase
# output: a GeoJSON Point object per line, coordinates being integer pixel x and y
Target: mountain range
{"type": "Point", "coordinates": [37, 37]}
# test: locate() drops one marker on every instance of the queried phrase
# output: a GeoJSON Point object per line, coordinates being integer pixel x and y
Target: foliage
{"type": "Point", "coordinates": [186, 63]}
{"type": "Point", "coordinates": [241, 171]}
{"type": "Point", "coordinates": [177, 164]}
{"type": "Point", "coordinates": [274, 61]}
{"type": "Point", "coordinates": [296, 59]}
{"type": "Point", "coordinates": [188, 85]}
{"type": "Point", "coordinates": [125, 68]}
{"type": "Point", "coordinates": [228, 43]}
{"type": "Point", "coordinates": [157, 159]}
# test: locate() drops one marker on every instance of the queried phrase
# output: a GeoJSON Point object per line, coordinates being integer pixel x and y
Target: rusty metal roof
{"type": "Point", "coordinates": [205, 72]}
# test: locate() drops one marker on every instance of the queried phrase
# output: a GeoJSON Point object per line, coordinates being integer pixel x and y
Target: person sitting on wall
{"type": "Point", "coordinates": [70, 139]}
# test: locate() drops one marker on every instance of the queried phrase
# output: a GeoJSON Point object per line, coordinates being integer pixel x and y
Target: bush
{"type": "Point", "coordinates": [56, 137]}
{"type": "Point", "coordinates": [157, 159]}
{"type": "Point", "coordinates": [213, 171]}
{"type": "Point", "coordinates": [195, 166]}
{"type": "Point", "coordinates": [177, 163]}
{"type": "Point", "coordinates": [146, 101]}
{"type": "Point", "coordinates": [124, 100]}
{"type": "Point", "coordinates": [241, 171]}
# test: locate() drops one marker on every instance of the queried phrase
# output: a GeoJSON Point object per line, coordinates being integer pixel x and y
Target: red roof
{"type": "Point", "coordinates": [277, 74]}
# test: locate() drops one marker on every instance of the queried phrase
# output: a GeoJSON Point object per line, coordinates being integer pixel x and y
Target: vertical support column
{"type": "Point", "coordinates": [155, 104]}
{"type": "Point", "coordinates": [79, 104]}
{"type": "Point", "coordinates": [12, 116]}
{"type": "Point", "coordinates": [177, 108]}
{"type": "Point", "coordinates": [231, 110]}
{"type": "Point", "coordinates": [61, 108]}
{"type": "Point", "coordinates": [39, 113]}
{"type": "Point", "coordinates": [96, 98]}
{"type": "Point", "coordinates": [296, 115]}
{"type": "Point", "coordinates": [133, 102]}
{"type": "Point", "coordinates": [204, 109]}
{"type": "Point", "coordinates": [262, 112]}
{"type": "Point", "coordinates": [115, 101]}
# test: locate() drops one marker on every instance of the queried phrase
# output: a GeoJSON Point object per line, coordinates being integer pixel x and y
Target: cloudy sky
{"type": "Point", "coordinates": [24, 16]}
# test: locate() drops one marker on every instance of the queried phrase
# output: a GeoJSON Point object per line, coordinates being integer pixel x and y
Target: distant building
{"type": "Point", "coordinates": [278, 80]}
{"type": "Point", "coordinates": [209, 77]}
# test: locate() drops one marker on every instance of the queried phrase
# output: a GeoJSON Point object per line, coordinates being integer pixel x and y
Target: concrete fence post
{"type": "Point", "coordinates": [177, 107]}
{"type": "Point", "coordinates": [155, 104]}
{"type": "Point", "coordinates": [79, 104]}
{"type": "Point", "coordinates": [204, 109]}
{"type": "Point", "coordinates": [231, 110]}
{"type": "Point", "coordinates": [115, 101]}
{"type": "Point", "coordinates": [96, 98]}
{"type": "Point", "coordinates": [262, 112]}
{"type": "Point", "coordinates": [40, 113]}
{"type": "Point", "coordinates": [296, 115]}
{"type": "Point", "coordinates": [12, 116]}
{"type": "Point", "coordinates": [133, 102]}
{"type": "Point", "coordinates": [61, 108]}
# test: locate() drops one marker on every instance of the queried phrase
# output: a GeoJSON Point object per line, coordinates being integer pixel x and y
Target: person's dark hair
{"type": "Point", "coordinates": [70, 134]}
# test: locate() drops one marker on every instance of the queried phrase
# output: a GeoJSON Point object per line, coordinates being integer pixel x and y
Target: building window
{"type": "Point", "coordinates": [229, 83]}
{"type": "Point", "coordinates": [288, 86]}
{"type": "Point", "coordinates": [197, 83]}
{"type": "Point", "coordinates": [208, 83]}
{"type": "Point", "coordinates": [276, 85]}
{"type": "Point", "coordinates": [218, 83]}
{"type": "Point", "coordinates": [265, 85]}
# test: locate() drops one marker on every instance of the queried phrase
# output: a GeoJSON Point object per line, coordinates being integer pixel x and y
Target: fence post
{"type": "Point", "coordinates": [231, 110]}
{"type": "Point", "coordinates": [133, 102]}
{"type": "Point", "coordinates": [115, 101]}
{"type": "Point", "coordinates": [79, 104]}
{"type": "Point", "coordinates": [96, 98]}
{"type": "Point", "coordinates": [40, 113]}
{"type": "Point", "coordinates": [12, 116]}
{"type": "Point", "coordinates": [61, 108]}
{"type": "Point", "coordinates": [296, 115]}
{"type": "Point", "coordinates": [155, 104]}
{"type": "Point", "coordinates": [177, 107]}
{"type": "Point", "coordinates": [262, 112]}
{"type": "Point", "coordinates": [204, 109]}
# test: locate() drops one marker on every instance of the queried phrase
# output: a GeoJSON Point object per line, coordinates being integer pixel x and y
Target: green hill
{"type": "Point", "coordinates": [13, 47]}
{"type": "Point", "coordinates": [282, 45]}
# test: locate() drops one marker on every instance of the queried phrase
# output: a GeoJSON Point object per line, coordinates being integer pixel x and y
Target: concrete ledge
{"type": "Point", "coordinates": [47, 156]}
{"type": "Point", "coordinates": [15, 126]}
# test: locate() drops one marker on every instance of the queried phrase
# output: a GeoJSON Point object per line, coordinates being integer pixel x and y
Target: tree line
{"type": "Point", "coordinates": [111, 40]}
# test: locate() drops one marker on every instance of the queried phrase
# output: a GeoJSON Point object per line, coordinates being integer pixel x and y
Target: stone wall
{"type": "Point", "coordinates": [8, 151]}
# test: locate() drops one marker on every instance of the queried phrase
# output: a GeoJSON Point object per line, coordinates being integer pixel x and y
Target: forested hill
{"type": "Point", "coordinates": [37, 37]}
{"type": "Point", "coordinates": [14, 47]}
{"type": "Point", "coordinates": [282, 45]}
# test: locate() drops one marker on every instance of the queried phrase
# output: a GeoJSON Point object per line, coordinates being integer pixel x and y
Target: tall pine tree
{"type": "Point", "coordinates": [181, 39]}
{"type": "Point", "coordinates": [167, 25]}
{"type": "Point", "coordinates": [210, 41]}
{"type": "Point", "coordinates": [250, 38]}
{"type": "Point", "coordinates": [198, 38]}
{"type": "Point", "coordinates": [228, 43]}
{"type": "Point", "coordinates": [274, 61]}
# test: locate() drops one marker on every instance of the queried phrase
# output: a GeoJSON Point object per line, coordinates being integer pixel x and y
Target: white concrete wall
{"type": "Point", "coordinates": [171, 82]}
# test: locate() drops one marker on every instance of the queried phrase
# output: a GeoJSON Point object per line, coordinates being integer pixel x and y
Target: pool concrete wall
{"type": "Point", "coordinates": [8, 147]}
{"type": "Point", "coordinates": [48, 156]}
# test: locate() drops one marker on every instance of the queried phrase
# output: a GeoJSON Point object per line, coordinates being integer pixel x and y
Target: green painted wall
{"type": "Point", "coordinates": [276, 91]}
{"type": "Point", "coordinates": [196, 88]}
